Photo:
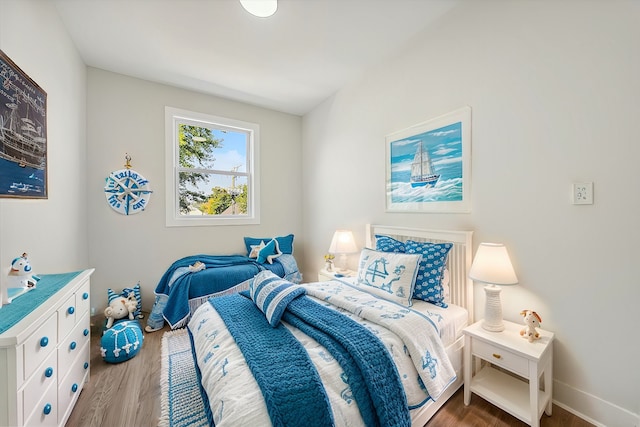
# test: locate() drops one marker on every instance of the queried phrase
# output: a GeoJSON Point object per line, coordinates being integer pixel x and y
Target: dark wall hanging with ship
{"type": "Point", "coordinates": [23, 133]}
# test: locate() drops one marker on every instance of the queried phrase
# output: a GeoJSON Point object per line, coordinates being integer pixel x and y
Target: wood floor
{"type": "Point", "coordinates": [128, 394]}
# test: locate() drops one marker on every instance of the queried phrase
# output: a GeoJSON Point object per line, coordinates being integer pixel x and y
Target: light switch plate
{"type": "Point", "coordinates": [582, 193]}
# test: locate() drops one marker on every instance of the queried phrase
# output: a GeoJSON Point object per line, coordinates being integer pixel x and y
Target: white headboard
{"type": "Point", "coordinates": [458, 262]}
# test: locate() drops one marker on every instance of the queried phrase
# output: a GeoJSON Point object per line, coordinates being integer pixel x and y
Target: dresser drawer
{"type": "Point", "coordinates": [500, 357]}
{"type": "Point", "coordinates": [71, 386]}
{"type": "Point", "coordinates": [40, 344]}
{"type": "Point", "coordinates": [83, 302]}
{"type": "Point", "coordinates": [45, 412]}
{"type": "Point", "coordinates": [67, 316]}
{"type": "Point", "coordinates": [69, 349]}
{"type": "Point", "coordinates": [45, 375]}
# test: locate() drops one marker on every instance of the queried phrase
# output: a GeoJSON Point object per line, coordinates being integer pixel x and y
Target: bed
{"type": "Point", "coordinates": [192, 280]}
{"type": "Point", "coordinates": [401, 378]}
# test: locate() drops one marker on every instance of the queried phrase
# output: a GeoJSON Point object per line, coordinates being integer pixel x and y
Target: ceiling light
{"type": "Point", "coordinates": [260, 8]}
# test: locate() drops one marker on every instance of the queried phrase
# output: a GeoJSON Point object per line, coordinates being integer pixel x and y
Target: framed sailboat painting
{"type": "Point", "coordinates": [23, 134]}
{"type": "Point", "coordinates": [429, 165]}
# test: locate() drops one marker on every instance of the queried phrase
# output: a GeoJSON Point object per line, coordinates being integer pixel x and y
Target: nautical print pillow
{"type": "Point", "coordinates": [389, 244]}
{"type": "Point", "coordinates": [271, 294]}
{"type": "Point", "coordinates": [389, 275]}
{"type": "Point", "coordinates": [429, 279]}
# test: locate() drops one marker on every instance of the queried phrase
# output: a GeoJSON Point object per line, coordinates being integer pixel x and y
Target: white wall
{"type": "Point", "coordinates": [126, 115]}
{"type": "Point", "coordinates": [53, 231]}
{"type": "Point", "coordinates": [554, 90]}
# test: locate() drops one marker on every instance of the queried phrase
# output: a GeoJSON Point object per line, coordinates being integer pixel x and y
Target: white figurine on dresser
{"type": "Point", "coordinates": [45, 353]}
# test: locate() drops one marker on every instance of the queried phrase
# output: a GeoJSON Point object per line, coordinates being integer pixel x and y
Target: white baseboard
{"type": "Point", "coordinates": [591, 408]}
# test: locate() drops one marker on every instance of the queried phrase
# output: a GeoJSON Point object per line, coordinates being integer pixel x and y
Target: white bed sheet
{"type": "Point", "coordinates": [228, 379]}
{"type": "Point", "coordinates": [450, 321]}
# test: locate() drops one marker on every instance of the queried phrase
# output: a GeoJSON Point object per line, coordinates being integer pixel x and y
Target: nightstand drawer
{"type": "Point", "coordinates": [500, 357]}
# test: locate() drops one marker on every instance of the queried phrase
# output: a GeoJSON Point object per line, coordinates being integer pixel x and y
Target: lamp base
{"type": "Point", "coordinates": [343, 264]}
{"type": "Point", "coordinates": [493, 309]}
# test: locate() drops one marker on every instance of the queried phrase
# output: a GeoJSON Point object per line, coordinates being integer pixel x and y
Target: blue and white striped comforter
{"type": "Point", "coordinates": [411, 337]}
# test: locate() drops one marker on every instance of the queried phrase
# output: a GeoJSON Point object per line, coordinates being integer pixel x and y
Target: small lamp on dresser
{"type": "Point", "coordinates": [492, 266]}
{"type": "Point", "coordinates": [342, 244]}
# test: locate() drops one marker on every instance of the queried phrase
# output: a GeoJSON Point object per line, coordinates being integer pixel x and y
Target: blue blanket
{"type": "Point", "coordinates": [370, 371]}
{"type": "Point", "coordinates": [181, 290]}
{"type": "Point", "coordinates": [175, 283]}
{"type": "Point", "coordinates": [291, 387]}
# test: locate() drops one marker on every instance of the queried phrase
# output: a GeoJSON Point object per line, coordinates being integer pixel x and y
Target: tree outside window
{"type": "Point", "coordinates": [213, 168]}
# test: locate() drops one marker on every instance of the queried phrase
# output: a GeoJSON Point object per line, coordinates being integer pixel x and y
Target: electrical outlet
{"type": "Point", "coordinates": [582, 193]}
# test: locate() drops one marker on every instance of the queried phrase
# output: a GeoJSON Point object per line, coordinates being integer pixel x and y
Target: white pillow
{"type": "Point", "coordinates": [389, 275]}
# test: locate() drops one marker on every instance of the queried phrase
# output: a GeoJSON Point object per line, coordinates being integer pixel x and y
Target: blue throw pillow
{"type": "Point", "coordinates": [269, 252]}
{"type": "Point", "coordinates": [429, 280]}
{"type": "Point", "coordinates": [122, 341]}
{"type": "Point", "coordinates": [389, 244]}
{"type": "Point", "coordinates": [285, 243]}
{"type": "Point", "coordinates": [271, 294]}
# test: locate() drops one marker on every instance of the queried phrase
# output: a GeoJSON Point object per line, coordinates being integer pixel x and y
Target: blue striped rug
{"type": "Point", "coordinates": [180, 400]}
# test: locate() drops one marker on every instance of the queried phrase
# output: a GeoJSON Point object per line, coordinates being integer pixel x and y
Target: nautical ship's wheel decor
{"type": "Point", "coordinates": [127, 191]}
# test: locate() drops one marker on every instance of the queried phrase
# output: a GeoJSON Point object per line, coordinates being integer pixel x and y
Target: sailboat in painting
{"type": "Point", "coordinates": [422, 172]}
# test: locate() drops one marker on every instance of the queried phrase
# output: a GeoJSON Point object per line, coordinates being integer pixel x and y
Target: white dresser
{"type": "Point", "coordinates": [44, 357]}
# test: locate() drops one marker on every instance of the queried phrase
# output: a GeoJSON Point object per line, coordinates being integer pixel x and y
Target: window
{"type": "Point", "coordinates": [211, 167]}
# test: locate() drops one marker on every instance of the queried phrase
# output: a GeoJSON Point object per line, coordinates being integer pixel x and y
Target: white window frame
{"type": "Point", "coordinates": [176, 116]}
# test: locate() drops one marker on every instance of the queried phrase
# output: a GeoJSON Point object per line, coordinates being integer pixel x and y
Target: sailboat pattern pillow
{"type": "Point", "coordinates": [388, 275]}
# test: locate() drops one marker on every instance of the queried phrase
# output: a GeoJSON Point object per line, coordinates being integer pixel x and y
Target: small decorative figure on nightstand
{"type": "Point", "coordinates": [532, 320]}
{"type": "Point", "coordinates": [20, 275]}
{"type": "Point", "coordinates": [328, 262]}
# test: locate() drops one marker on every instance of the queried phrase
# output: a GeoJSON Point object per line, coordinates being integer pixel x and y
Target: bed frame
{"type": "Point", "coordinates": [461, 290]}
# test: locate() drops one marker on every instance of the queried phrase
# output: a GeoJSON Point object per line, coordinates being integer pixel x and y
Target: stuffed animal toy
{"type": "Point", "coordinates": [20, 273]}
{"type": "Point", "coordinates": [532, 320]}
{"type": "Point", "coordinates": [120, 307]}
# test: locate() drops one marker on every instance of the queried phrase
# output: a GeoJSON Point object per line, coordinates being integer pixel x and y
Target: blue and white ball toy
{"type": "Point", "coordinates": [122, 341]}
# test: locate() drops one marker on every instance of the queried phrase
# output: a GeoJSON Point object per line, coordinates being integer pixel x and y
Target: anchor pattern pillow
{"type": "Point", "coordinates": [388, 275]}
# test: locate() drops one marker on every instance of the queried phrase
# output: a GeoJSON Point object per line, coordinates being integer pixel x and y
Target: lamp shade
{"type": "Point", "coordinates": [343, 243]}
{"type": "Point", "coordinates": [492, 265]}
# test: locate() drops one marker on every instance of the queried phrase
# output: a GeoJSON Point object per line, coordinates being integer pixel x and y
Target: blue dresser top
{"type": "Point", "coordinates": [48, 285]}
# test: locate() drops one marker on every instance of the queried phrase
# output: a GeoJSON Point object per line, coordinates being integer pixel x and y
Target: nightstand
{"type": "Point", "coordinates": [506, 353]}
{"type": "Point", "coordinates": [324, 275]}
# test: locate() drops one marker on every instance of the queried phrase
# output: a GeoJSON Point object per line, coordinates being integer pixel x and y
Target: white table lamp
{"type": "Point", "coordinates": [492, 265]}
{"type": "Point", "coordinates": [342, 244]}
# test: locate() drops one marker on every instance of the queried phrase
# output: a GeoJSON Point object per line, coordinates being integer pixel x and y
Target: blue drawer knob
{"type": "Point", "coordinates": [86, 365]}
{"type": "Point", "coordinates": [85, 295]}
{"type": "Point", "coordinates": [71, 310]}
{"type": "Point", "coordinates": [74, 388]}
{"type": "Point", "coordinates": [44, 341]}
{"type": "Point", "coordinates": [85, 332]}
{"type": "Point", "coordinates": [47, 409]}
{"type": "Point", "coordinates": [73, 345]}
{"type": "Point", "coordinates": [48, 372]}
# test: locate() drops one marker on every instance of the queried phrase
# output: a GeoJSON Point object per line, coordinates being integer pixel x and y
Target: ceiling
{"type": "Point", "coordinates": [289, 62]}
